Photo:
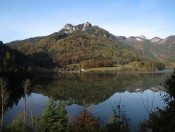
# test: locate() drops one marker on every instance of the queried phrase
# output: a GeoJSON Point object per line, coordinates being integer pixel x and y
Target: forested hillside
{"type": "Point", "coordinates": [12, 60]}
{"type": "Point", "coordinates": [85, 46]}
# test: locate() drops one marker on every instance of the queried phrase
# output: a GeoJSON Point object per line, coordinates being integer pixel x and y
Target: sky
{"type": "Point", "coordinates": [21, 19]}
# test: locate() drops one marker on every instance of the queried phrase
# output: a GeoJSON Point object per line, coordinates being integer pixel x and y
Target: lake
{"type": "Point", "coordinates": [137, 93]}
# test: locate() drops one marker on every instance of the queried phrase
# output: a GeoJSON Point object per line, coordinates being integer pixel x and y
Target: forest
{"type": "Point", "coordinates": [13, 61]}
{"type": "Point", "coordinates": [82, 48]}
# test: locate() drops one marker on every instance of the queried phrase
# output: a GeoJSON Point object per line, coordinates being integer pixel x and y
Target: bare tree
{"type": "Point", "coordinates": [120, 119]}
{"type": "Point", "coordinates": [26, 86]}
{"type": "Point", "coordinates": [148, 108]}
{"type": "Point", "coordinates": [4, 97]}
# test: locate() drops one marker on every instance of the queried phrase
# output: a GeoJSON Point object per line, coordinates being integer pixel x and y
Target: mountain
{"type": "Point", "coordinates": [84, 46]}
{"type": "Point", "coordinates": [156, 40]}
{"type": "Point", "coordinates": [13, 61]}
{"type": "Point", "coordinates": [69, 28]}
{"type": "Point", "coordinates": [155, 48]}
{"type": "Point", "coordinates": [137, 39]}
{"type": "Point", "coordinates": [169, 40]}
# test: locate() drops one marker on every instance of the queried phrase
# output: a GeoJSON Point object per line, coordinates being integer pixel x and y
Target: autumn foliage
{"type": "Point", "coordinates": [86, 121]}
{"type": "Point", "coordinates": [95, 64]}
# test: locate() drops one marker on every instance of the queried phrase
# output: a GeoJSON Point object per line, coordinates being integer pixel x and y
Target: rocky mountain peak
{"type": "Point", "coordinates": [69, 28]}
{"type": "Point", "coordinates": [136, 39]}
{"type": "Point", "coordinates": [156, 40]}
{"type": "Point", "coordinates": [142, 37]}
{"type": "Point", "coordinates": [86, 25]}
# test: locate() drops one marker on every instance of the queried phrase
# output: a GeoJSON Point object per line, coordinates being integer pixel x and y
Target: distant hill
{"type": "Point", "coordinates": [13, 61]}
{"type": "Point", "coordinates": [155, 48]}
{"type": "Point", "coordinates": [86, 46]}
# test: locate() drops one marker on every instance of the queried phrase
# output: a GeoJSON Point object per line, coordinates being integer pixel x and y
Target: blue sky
{"type": "Point", "coordinates": [21, 19]}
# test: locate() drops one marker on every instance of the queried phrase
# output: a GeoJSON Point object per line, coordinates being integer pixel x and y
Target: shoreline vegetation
{"type": "Point", "coordinates": [77, 69]}
{"type": "Point", "coordinates": [114, 69]}
{"type": "Point", "coordinates": [93, 70]}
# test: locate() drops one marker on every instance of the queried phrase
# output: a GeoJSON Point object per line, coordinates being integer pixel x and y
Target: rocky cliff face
{"type": "Point", "coordinates": [69, 28]}
{"type": "Point", "coordinates": [156, 40]}
{"type": "Point", "coordinates": [86, 26]}
{"type": "Point", "coordinates": [135, 39]}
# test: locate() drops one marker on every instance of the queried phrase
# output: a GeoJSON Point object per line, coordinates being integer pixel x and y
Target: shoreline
{"type": "Point", "coordinates": [113, 71]}
{"type": "Point", "coordinates": [40, 70]}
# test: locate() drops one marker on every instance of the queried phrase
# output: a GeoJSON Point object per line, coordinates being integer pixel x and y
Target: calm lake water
{"type": "Point", "coordinates": [137, 93]}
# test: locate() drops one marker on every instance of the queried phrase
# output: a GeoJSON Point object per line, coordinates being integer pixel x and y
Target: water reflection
{"type": "Point", "coordinates": [91, 89]}
{"type": "Point", "coordinates": [95, 92]}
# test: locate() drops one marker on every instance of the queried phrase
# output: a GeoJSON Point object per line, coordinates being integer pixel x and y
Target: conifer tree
{"type": "Point", "coordinates": [54, 117]}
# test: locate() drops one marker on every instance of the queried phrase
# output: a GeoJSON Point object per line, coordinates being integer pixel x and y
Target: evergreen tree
{"type": "Point", "coordinates": [62, 118]}
{"type": "Point", "coordinates": [54, 117]}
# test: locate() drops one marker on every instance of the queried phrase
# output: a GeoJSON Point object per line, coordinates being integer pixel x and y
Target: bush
{"type": "Point", "coordinates": [17, 126]}
{"type": "Point", "coordinates": [86, 122]}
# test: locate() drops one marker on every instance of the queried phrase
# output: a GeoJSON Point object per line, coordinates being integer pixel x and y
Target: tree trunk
{"type": "Point", "coordinates": [25, 109]}
{"type": "Point", "coordinates": [2, 106]}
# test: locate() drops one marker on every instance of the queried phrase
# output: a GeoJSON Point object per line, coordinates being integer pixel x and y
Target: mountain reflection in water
{"type": "Point", "coordinates": [139, 93]}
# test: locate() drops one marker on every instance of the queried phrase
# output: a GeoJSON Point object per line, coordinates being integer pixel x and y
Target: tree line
{"type": "Point", "coordinates": [96, 63]}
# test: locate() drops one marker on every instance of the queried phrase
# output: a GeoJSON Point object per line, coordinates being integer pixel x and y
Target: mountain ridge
{"type": "Point", "coordinates": [69, 28]}
{"type": "Point", "coordinates": [76, 44]}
